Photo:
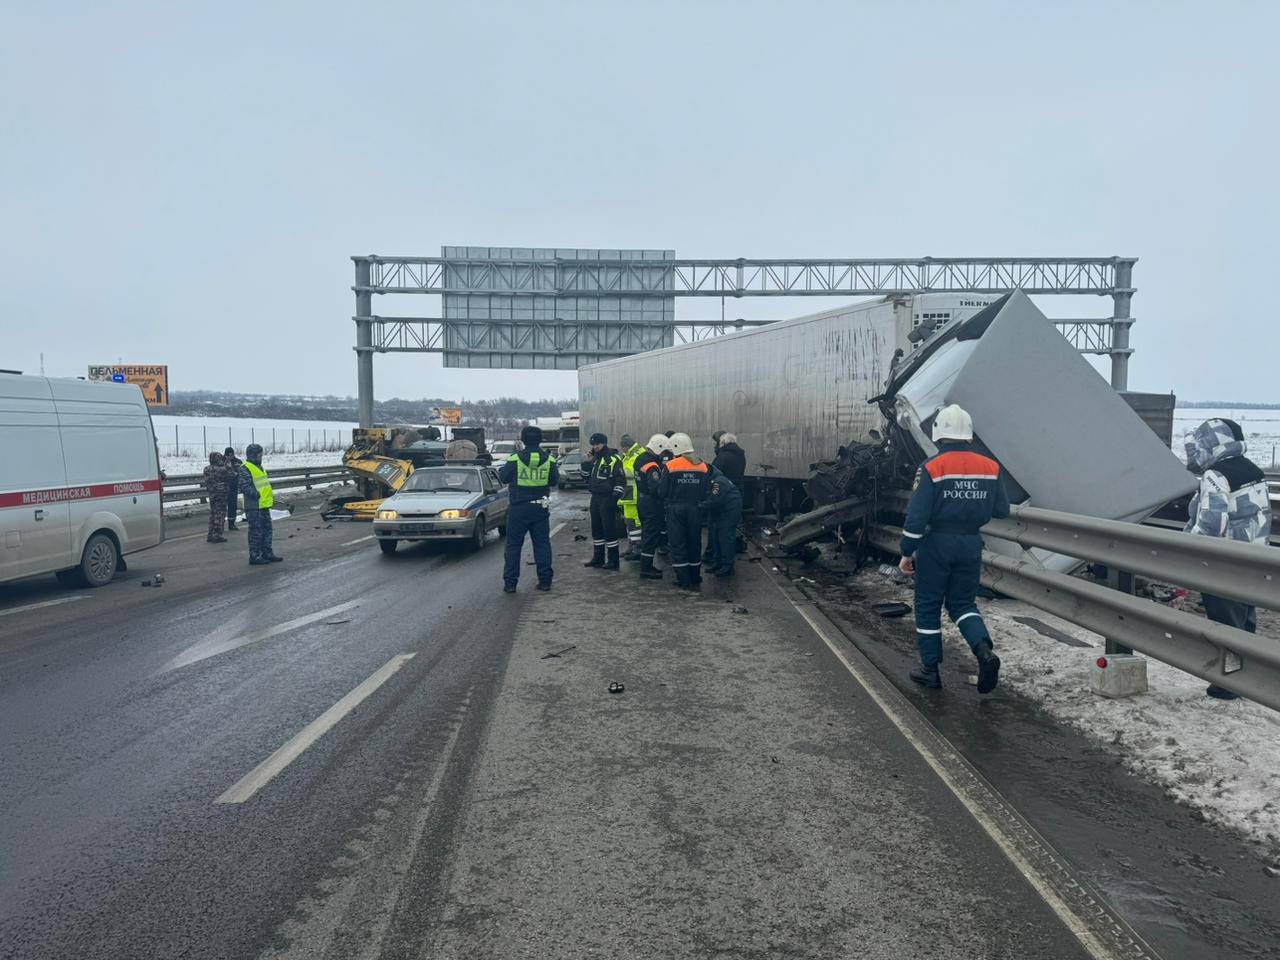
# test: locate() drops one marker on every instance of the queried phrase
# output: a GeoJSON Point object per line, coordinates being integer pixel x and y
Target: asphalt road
{"type": "Point", "coordinates": [182, 777]}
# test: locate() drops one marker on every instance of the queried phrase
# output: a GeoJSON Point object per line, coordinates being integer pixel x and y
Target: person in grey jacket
{"type": "Point", "coordinates": [1233, 503]}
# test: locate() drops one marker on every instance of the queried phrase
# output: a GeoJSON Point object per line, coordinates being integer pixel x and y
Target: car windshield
{"type": "Point", "coordinates": [439, 480]}
{"type": "Point", "coordinates": [572, 459]}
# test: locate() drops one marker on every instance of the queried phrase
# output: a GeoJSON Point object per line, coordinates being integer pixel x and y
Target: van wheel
{"type": "Point", "coordinates": [388, 546]}
{"type": "Point", "coordinates": [99, 561]}
{"type": "Point", "coordinates": [478, 532]}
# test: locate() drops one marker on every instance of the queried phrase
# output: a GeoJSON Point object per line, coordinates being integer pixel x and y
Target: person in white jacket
{"type": "Point", "coordinates": [1233, 503]}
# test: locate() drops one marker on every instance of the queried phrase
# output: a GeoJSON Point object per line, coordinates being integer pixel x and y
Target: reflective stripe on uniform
{"type": "Point", "coordinates": [971, 613]}
{"type": "Point", "coordinates": [535, 473]}
{"type": "Point", "coordinates": [913, 536]}
{"type": "Point", "coordinates": [922, 630]}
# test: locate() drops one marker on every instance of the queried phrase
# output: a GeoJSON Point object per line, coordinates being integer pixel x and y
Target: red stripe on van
{"type": "Point", "coordinates": [95, 491]}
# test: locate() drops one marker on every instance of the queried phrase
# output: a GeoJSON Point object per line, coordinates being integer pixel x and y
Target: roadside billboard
{"type": "Point", "coordinates": [153, 379]}
{"type": "Point", "coordinates": [452, 416]}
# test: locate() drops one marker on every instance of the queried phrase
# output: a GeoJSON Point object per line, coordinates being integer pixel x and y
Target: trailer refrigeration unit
{"type": "Point", "coordinates": [794, 391]}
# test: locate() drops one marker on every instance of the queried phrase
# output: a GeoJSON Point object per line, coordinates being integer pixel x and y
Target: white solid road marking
{"type": "Point", "coordinates": [43, 603]}
{"type": "Point", "coordinates": [263, 773]}
{"type": "Point", "coordinates": [206, 649]}
{"type": "Point", "coordinates": [358, 540]}
{"type": "Point", "coordinates": [1096, 948]}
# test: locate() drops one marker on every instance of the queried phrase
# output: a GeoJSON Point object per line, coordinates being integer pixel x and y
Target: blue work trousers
{"type": "Point", "coordinates": [536, 521]}
{"type": "Point", "coordinates": [948, 566]}
{"type": "Point", "coordinates": [722, 535]}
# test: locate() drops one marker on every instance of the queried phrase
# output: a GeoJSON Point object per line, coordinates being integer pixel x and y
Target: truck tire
{"type": "Point", "coordinates": [478, 532]}
{"type": "Point", "coordinates": [99, 561]}
{"type": "Point", "coordinates": [388, 546]}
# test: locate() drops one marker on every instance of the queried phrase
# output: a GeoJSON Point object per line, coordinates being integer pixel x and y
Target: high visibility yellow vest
{"type": "Point", "coordinates": [629, 468]}
{"type": "Point", "coordinates": [535, 473]}
{"type": "Point", "coordinates": [262, 483]}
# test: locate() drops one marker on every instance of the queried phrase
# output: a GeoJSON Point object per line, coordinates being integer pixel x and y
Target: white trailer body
{"type": "Point", "coordinates": [793, 392]}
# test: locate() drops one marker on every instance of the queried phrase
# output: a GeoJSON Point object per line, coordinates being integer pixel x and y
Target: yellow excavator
{"type": "Point", "coordinates": [383, 458]}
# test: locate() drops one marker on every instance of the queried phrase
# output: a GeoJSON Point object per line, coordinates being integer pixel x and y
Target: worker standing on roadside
{"type": "Point", "coordinates": [215, 485]}
{"type": "Point", "coordinates": [607, 484]}
{"type": "Point", "coordinates": [730, 460]}
{"type": "Point", "coordinates": [723, 508]}
{"type": "Point", "coordinates": [630, 502]}
{"type": "Point", "coordinates": [1233, 503]}
{"type": "Point", "coordinates": [956, 492]}
{"type": "Point", "coordinates": [232, 482]}
{"type": "Point", "coordinates": [685, 485]}
{"type": "Point", "coordinates": [530, 474]}
{"type": "Point", "coordinates": [255, 485]}
{"type": "Point", "coordinates": [648, 469]}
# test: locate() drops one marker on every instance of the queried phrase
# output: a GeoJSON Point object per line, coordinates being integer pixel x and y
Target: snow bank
{"type": "Point", "coordinates": [1219, 757]}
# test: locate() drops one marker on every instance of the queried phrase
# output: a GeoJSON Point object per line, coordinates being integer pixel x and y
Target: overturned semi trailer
{"type": "Point", "coordinates": [1064, 438]}
{"type": "Point", "coordinates": [793, 392]}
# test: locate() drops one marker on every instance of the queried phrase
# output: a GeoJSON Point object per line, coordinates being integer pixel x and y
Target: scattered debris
{"type": "Point", "coordinates": [893, 573]}
{"type": "Point", "coordinates": [742, 610]}
{"type": "Point", "coordinates": [153, 581]}
{"type": "Point", "coordinates": [579, 536]}
{"type": "Point", "coordinates": [616, 687]}
{"type": "Point", "coordinates": [891, 608]}
{"type": "Point", "coordinates": [556, 653]}
{"type": "Point", "coordinates": [800, 579]}
{"type": "Point", "coordinates": [774, 759]}
{"type": "Point", "coordinates": [1271, 871]}
{"type": "Point", "coordinates": [755, 559]}
{"type": "Point", "coordinates": [336, 623]}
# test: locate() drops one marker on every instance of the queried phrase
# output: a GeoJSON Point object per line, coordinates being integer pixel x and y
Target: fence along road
{"type": "Point", "coordinates": [1244, 662]}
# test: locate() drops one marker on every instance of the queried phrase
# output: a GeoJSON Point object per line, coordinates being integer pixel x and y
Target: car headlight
{"type": "Point", "coordinates": [387, 515]}
{"type": "Point", "coordinates": [454, 514]}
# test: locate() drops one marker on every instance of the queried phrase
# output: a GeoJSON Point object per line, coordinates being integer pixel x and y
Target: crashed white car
{"type": "Point", "coordinates": [461, 503]}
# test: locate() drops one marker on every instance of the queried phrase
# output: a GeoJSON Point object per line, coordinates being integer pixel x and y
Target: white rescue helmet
{"type": "Point", "coordinates": [681, 445]}
{"type": "Point", "coordinates": [658, 443]}
{"type": "Point", "coordinates": [952, 423]}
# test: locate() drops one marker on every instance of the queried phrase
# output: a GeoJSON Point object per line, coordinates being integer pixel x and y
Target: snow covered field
{"type": "Point", "coordinates": [1261, 430]}
{"type": "Point", "coordinates": [179, 466]}
{"type": "Point", "coordinates": [196, 437]}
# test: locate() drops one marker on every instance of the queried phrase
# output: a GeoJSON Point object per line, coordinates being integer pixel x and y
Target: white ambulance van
{"type": "Point", "coordinates": [79, 478]}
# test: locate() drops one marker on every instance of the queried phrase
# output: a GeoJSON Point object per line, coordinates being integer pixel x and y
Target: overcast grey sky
{"type": "Point", "coordinates": [185, 183]}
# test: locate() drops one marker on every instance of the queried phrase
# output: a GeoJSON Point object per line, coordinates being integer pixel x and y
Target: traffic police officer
{"type": "Point", "coordinates": [648, 471]}
{"type": "Point", "coordinates": [607, 484]}
{"type": "Point", "coordinates": [630, 502]}
{"type": "Point", "coordinates": [530, 474]}
{"type": "Point", "coordinates": [255, 485]}
{"type": "Point", "coordinates": [956, 492]}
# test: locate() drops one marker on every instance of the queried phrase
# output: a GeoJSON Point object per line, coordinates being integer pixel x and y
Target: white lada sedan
{"type": "Point", "coordinates": [460, 503]}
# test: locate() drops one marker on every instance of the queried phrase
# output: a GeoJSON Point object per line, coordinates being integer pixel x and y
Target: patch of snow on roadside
{"type": "Point", "coordinates": [1221, 758]}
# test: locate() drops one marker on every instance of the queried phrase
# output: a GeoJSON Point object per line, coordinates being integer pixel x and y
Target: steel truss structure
{"type": "Point", "coordinates": [529, 337]}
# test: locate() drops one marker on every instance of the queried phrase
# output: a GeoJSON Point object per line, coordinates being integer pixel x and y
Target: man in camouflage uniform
{"type": "Point", "coordinates": [215, 482]}
{"type": "Point", "coordinates": [258, 500]}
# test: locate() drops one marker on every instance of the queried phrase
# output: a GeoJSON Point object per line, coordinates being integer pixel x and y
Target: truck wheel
{"type": "Point", "coordinates": [478, 532]}
{"type": "Point", "coordinates": [388, 546]}
{"type": "Point", "coordinates": [99, 561]}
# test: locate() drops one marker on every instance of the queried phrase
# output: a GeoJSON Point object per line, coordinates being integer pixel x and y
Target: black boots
{"type": "Point", "coordinates": [647, 570]}
{"type": "Point", "coordinates": [927, 677]}
{"type": "Point", "coordinates": [988, 666]}
{"type": "Point", "coordinates": [597, 557]}
{"type": "Point", "coordinates": [612, 563]}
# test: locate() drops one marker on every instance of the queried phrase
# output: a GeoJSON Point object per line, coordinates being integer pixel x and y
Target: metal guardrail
{"type": "Point", "coordinates": [1244, 662]}
{"type": "Point", "coordinates": [191, 486]}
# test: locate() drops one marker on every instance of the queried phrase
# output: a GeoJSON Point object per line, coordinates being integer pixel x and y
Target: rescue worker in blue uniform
{"type": "Point", "coordinates": [956, 492]}
{"type": "Point", "coordinates": [648, 469]}
{"type": "Point", "coordinates": [685, 485]}
{"type": "Point", "coordinates": [723, 508]}
{"type": "Point", "coordinates": [530, 474]}
{"type": "Point", "coordinates": [607, 483]}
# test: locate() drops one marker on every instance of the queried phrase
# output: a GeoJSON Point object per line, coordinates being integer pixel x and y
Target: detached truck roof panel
{"type": "Point", "coordinates": [792, 391]}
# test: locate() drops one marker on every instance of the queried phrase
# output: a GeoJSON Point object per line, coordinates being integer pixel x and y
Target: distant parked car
{"type": "Point", "coordinates": [461, 503]}
{"type": "Point", "coordinates": [571, 474]}
{"type": "Point", "coordinates": [501, 449]}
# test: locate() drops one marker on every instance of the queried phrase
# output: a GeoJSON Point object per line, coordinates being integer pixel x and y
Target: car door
{"type": "Point", "coordinates": [35, 533]}
{"type": "Point", "coordinates": [501, 497]}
